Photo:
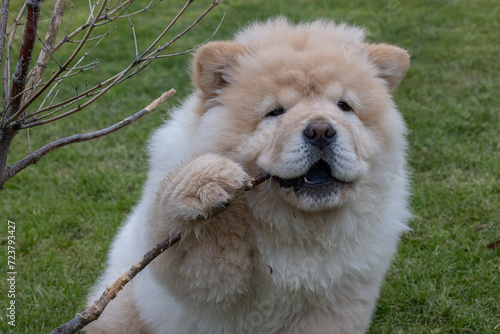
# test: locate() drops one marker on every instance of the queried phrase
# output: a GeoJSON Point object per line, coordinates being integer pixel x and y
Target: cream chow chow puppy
{"type": "Point", "coordinates": [304, 252]}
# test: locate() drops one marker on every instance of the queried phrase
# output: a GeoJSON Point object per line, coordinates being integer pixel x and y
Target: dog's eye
{"type": "Point", "coordinates": [344, 106]}
{"type": "Point", "coordinates": [276, 112]}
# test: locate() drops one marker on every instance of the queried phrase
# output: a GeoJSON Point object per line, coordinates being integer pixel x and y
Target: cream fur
{"type": "Point", "coordinates": [273, 261]}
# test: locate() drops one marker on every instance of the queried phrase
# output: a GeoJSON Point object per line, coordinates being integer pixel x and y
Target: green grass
{"type": "Point", "coordinates": [68, 207]}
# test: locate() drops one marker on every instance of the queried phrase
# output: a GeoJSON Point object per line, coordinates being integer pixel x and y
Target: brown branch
{"type": "Point", "coordinates": [3, 31]}
{"type": "Point", "coordinates": [6, 71]}
{"type": "Point", "coordinates": [116, 79]}
{"type": "Point", "coordinates": [80, 107]}
{"type": "Point", "coordinates": [97, 22]}
{"type": "Point", "coordinates": [3, 25]}
{"type": "Point", "coordinates": [183, 9]}
{"type": "Point", "coordinates": [122, 7]}
{"type": "Point", "coordinates": [17, 118]}
{"type": "Point", "coordinates": [94, 311]}
{"type": "Point", "coordinates": [43, 59]}
{"type": "Point", "coordinates": [181, 53]}
{"type": "Point", "coordinates": [35, 156]}
{"type": "Point", "coordinates": [19, 78]}
{"type": "Point", "coordinates": [157, 53]}
{"type": "Point", "coordinates": [252, 183]}
{"type": "Point", "coordinates": [59, 71]}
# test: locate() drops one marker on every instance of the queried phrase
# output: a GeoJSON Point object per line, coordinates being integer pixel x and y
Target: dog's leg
{"type": "Point", "coordinates": [120, 316]}
{"type": "Point", "coordinates": [211, 265]}
{"type": "Point", "coordinates": [347, 317]}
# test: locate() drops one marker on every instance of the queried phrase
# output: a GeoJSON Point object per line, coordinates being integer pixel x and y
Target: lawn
{"type": "Point", "coordinates": [445, 279]}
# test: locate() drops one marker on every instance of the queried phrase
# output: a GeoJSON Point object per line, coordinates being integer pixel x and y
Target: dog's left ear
{"type": "Point", "coordinates": [391, 61]}
{"type": "Point", "coordinates": [213, 64]}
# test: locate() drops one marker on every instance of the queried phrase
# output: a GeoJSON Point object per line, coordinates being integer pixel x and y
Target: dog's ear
{"type": "Point", "coordinates": [213, 64]}
{"type": "Point", "coordinates": [391, 61]}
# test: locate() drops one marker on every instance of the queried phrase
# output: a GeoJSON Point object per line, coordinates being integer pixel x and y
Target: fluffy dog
{"type": "Point", "coordinates": [304, 252]}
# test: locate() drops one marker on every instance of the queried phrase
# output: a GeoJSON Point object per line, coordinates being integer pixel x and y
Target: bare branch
{"type": "Point", "coordinates": [38, 70]}
{"type": "Point", "coordinates": [100, 89]}
{"type": "Point", "coordinates": [80, 107]}
{"type": "Point", "coordinates": [40, 63]}
{"type": "Point", "coordinates": [61, 69]}
{"type": "Point", "coordinates": [61, 105]}
{"type": "Point", "coordinates": [151, 4]}
{"type": "Point", "coordinates": [3, 31]}
{"type": "Point", "coordinates": [255, 181]}
{"type": "Point", "coordinates": [3, 25]}
{"type": "Point", "coordinates": [120, 5]}
{"type": "Point", "coordinates": [77, 97]}
{"type": "Point", "coordinates": [157, 53]}
{"type": "Point", "coordinates": [183, 9]}
{"type": "Point", "coordinates": [189, 50]}
{"type": "Point", "coordinates": [6, 72]}
{"type": "Point", "coordinates": [67, 29]}
{"type": "Point", "coordinates": [35, 156]}
{"type": "Point", "coordinates": [103, 19]}
{"type": "Point", "coordinates": [94, 38]}
{"type": "Point", "coordinates": [92, 6]}
{"type": "Point", "coordinates": [133, 33]}
{"type": "Point", "coordinates": [26, 52]}
{"type": "Point", "coordinates": [14, 116]}
{"type": "Point", "coordinates": [94, 311]}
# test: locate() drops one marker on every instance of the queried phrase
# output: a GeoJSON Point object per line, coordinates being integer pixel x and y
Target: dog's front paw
{"type": "Point", "coordinates": [202, 188]}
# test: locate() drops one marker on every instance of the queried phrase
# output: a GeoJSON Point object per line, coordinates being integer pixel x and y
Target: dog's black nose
{"type": "Point", "coordinates": [319, 134]}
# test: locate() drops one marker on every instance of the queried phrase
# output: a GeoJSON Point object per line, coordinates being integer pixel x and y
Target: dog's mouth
{"type": "Point", "coordinates": [318, 180]}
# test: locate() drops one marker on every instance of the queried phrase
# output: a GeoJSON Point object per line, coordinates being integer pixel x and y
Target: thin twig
{"type": "Point", "coordinates": [118, 78]}
{"type": "Point", "coordinates": [68, 101]}
{"type": "Point", "coordinates": [58, 72]}
{"type": "Point", "coordinates": [97, 22]}
{"type": "Point", "coordinates": [92, 312]}
{"type": "Point", "coordinates": [92, 6]}
{"type": "Point", "coordinates": [42, 62]}
{"type": "Point", "coordinates": [6, 72]}
{"type": "Point", "coordinates": [94, 38]}
{"type": "Point", "coordinates": [77, 97]}
{"type": "Point", "coordinates": [19, 78]}
{"type": "Point", "coordinates": [183, 9]}
{"type": "Point", "coordinates": [44, 100]}
{"type": "Point", "coordinates": [133, 33]}
{"type": "Point", "coordinates": [38, 70]}
{"type": "Point", "coordinates": [3, 30]}
{"type": "Point", "coordinates": [156, 54]}
{"type": "Point", "coordinates": [35, 156]}
{"type": "Point", "coordinates": [181, 53]}
{"type": "Point", "coordinates": [120, 16]}
{"type": "Point", "coordinates": [255, 181]}
{"type": "Point", "coordinates": [121, 6]}
{"type": "Point", "coordinates": [67, 29]}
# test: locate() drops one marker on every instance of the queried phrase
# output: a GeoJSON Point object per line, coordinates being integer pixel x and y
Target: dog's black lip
{"type": "Point", "coordinates": [319, 175]}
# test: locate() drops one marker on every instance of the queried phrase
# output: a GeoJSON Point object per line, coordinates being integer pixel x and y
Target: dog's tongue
{"type": "Point", "coordinates": [319, 173]}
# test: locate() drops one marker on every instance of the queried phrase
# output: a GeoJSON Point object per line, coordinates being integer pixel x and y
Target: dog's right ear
{"type": "Point", "coordinates": [392, 62]}
{"type": "Point", "coordinates": [213, 64]}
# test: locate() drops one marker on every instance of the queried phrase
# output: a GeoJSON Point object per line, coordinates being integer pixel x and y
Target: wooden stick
{"type": "Point", "coordinates": [35, 156]}
{"type": "Point", "coordinates": [250, 184]}
{"type": "Point", "coordinates": [19, 78]}
{"type": "Point", "coordinates": [93, 312]}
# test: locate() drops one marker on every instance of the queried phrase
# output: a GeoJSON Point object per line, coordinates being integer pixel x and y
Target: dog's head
{"type": "Point", "coordinates": [309, 104]}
